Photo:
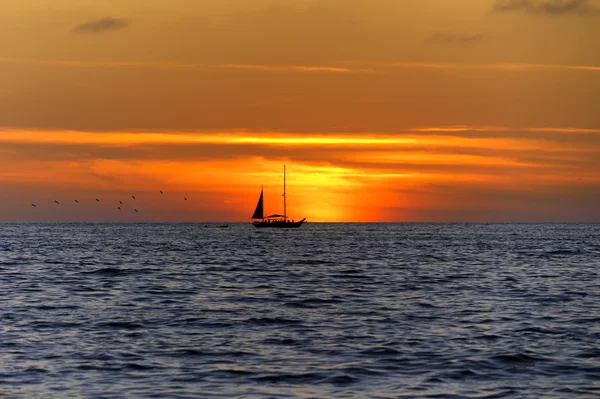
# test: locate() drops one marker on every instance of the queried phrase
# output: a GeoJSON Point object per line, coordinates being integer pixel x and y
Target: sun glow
{"type": "Point", "coordinates": [335, 177]}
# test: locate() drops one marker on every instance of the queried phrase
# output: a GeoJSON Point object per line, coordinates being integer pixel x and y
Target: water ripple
{"type": "Point", "coordinates": [327, 311]}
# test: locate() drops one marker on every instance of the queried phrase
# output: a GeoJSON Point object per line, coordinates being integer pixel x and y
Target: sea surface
{"type": "Point", "coordinates": [324, 311]}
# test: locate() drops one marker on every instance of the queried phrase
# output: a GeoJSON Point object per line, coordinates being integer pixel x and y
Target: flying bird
{"type": "Point", "coordinates": [57, 202]}
{"type": "Point", "coordinates": [33, 205]}
{"type": "Point", "coordinates": [77, 201]}
{"type": "Point", "coordinates": [184, 198]}
{"type": "Point", "coordinates": [136, 211]}
{"type": "Point", "coordinates": [133, 196]}
{"type": "Point", "coordinates": [97, 200]}
{"type": "Point", "coordinates": [119, 208]}
{"type": "Point", "coordinates": [161, 192]}
{"type": "Point", "coordinates": [121, 202]}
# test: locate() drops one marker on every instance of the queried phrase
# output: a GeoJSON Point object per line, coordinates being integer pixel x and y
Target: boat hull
{"type": "Point", "coordinates": [278, 224]}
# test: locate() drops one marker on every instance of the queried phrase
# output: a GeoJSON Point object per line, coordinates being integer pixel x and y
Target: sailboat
{"type": "Point", "coordinates": [276, 220]}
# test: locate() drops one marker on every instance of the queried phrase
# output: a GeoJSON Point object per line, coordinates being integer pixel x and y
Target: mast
{"type": "Point", "coordinates": [284, 197]}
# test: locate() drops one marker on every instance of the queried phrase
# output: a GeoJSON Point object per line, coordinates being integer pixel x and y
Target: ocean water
{"type": "Point", "coordinates": [325, 311]}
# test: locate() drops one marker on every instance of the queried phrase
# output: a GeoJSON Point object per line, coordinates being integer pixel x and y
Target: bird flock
{"type": "Point", "coordinates": [118, 207]}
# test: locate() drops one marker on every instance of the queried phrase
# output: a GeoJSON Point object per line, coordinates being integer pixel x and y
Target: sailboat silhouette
{"type": "Point", "coordinates": [276, 220]}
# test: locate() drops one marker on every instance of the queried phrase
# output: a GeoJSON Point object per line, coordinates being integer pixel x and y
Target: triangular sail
{"type": "Point", "coordinates": [258, 212]}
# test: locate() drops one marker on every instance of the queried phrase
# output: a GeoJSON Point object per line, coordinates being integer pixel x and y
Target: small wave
{"type": "Point", "coordinates": [585, 320]}
{"type": "Point", "coordinates": [540, 330]}
{"type": "Point", "coordinates": [424, 317]}
{"type": "Point", "coordinates": [236, 372]}
{"type": "Point", "coordinates": [564, 252]}
{"type": "Point", "coordinates": [435, 380]}
{"type": "Point", "coordinates": [261, 321]}
{"type": "Point", "coordinates": [302, 378]}
{"type": "Point", "coordinates": [352, 276]}
{"type": "Point", "coordinates": [94, 367]}
{"type": "Point", "coordinates": [169, 301]}
{"type": "Point", "coordinates": [461, 375]}
{"type": "Point", "coordinates": [138, 366]}
{"type": "Point", "coordinates": [180, 292]}
{"type": "Point", "coordinates": [201, 322]}
{"type": "Point", "coordinates": [107, 271]}
{"type": "Point", "coordinates": [576, 293]}
{"type": "Point", "coordinates": [133, 334]}
{"type": "Point", "coordinates": [459, 276]}
{"type": "Point", "coordinates": [351, 271]}
{"type": "Point", "coordinates": [56, 307]}
{"type": "Point", "coordinates": [342, 380]}
{"type": "Point", "coordinates": [313, 262]}
{"type": "Point", "coordinates": [554, 298]}
{"type": "Point", "coordinates": [589, 354]}
{"type": "Point", "coordinates": [282, 341]}
{"type": "Point", "coordinates": [210, 353]}
{"type": "Point", "coordinates": [5, 263]}
{"type": "Point", "coordinates": [380, 351]}
{"type": "Point", "coordinates": [312, 303]}
{"type": "Point", "coordinates": [488, 337]}
{"type": "Point", "coordinates": [360, 371]}
{"type": "Point", "coordinates": [321, 300]}
{"type": "Point", "coordinates": [35, 370]}
{"type": "Point", "coordinates": [518, 358]}
{"type": "Point", "coordinates": [100, 356]}
{"type": "Point", "coordinates": [54, 324]}
{"type": "Point", "coordinates": [427, 305]}
{"type": "Point", "coordinates": [127, 325]}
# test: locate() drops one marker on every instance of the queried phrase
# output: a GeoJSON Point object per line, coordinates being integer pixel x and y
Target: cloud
{"type": "Point", "coordinates": [456, 37]}
{"type": "Point", "coordinates": [500, 66]}
{"type": "Point", "coordinates": [468, 128]}
{"type": "Point", "coordinates": [422, 174]}
{"type": "Point", "coordinates": [182, 65]}
{"type": "Point", "coordinates": [418, 156]}
{"type": "Point", "coordinates": [101, 25]}
{"type": "Point", "coordinates": [553, 7]}
{"type": "Point", "coordinates": [295, 68]}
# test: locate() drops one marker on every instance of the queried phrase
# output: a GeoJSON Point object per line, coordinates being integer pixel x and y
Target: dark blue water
{"type": "Point", "coordinates": [325, 311]}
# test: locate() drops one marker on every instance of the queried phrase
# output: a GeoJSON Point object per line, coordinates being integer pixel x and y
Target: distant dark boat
{"type": "Point", "coordinates": [276, 220]}
{"type": "Point", "coordinates": [224, 226]}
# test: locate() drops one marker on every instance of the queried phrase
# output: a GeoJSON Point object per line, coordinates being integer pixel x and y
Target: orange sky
{"type": "Point", "coordinates": [469, 110]}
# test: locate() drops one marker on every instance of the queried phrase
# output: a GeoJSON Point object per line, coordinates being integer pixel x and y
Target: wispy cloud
{"type": "Point", "coordinates": [296, 68]}
{"type": "Point", "coordinates": [496, 66]}
{"type": "Point", "coordinates": [182, 65]}
{"type": "Point", "coordinates": [102, 64]}
{"type": "Point", "coordinates": [101, 25]}
{"type": "Point", "coordinates": [373, 67]}
{"type": "Point", "coordinates": [468, 128]}
{"type": "Point", "coordinates": [401, 138]}
{"type": "Point", "coordinates": [457, 37]}
{"type": "Point", "coordinates": [553, 7]}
